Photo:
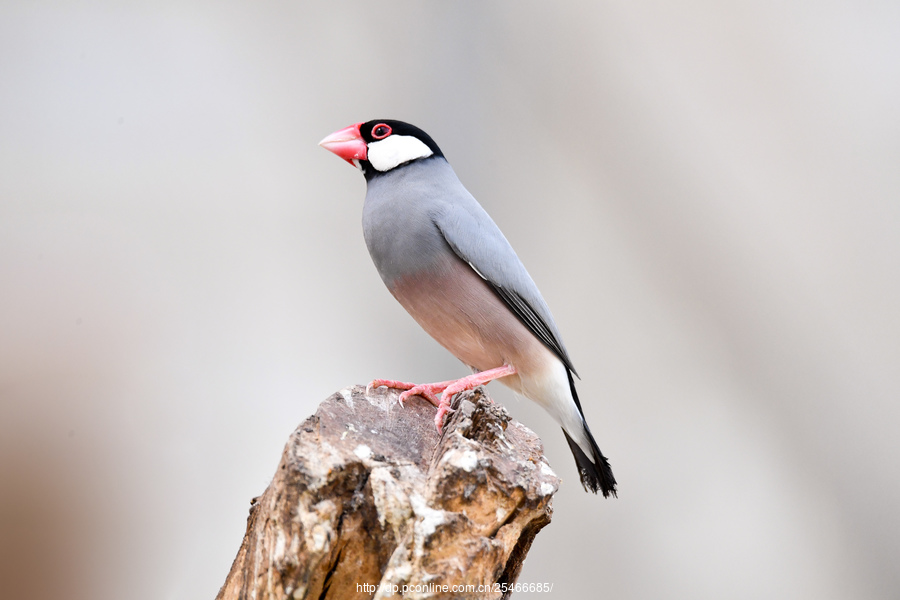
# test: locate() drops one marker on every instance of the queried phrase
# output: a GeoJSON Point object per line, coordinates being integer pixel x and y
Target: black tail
{"type": "Point", "coordinates": [595, 471]}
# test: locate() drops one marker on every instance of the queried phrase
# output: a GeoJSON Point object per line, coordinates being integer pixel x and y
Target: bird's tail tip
{"type": "Point", "coordinates": [596, 474]}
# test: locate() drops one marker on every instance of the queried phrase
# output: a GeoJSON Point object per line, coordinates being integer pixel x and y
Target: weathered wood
{"type": "Point", "coordinates": [369, 501]}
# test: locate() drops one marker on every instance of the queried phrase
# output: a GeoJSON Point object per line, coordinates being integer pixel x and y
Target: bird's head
{"type": "Point", "coordinates": [381, 145]}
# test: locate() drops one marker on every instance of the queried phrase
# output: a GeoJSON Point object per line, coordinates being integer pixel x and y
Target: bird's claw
{"type": "Point", "coordinates": [443, 409]}
{"type": "Point", "coordinates": [420, 390]}
{"type": "Point", "coordinates": [388, 383]}
{"type": "Point", "coordinates": [448, 389]}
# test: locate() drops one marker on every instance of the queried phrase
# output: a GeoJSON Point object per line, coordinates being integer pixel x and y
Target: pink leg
{"type": "Point", "coordinates": [467, 383]}
{"type": "Point", "coordinates": [450, 388]}
{"type": "Point", "coordinates": [428, 391]}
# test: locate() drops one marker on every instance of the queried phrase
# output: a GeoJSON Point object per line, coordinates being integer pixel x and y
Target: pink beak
{"type": "Point", "coordinates": [346, 143]}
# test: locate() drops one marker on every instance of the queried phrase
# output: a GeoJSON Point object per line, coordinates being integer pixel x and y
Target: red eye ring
{"type": "Point", "coordinates": [381, 131]}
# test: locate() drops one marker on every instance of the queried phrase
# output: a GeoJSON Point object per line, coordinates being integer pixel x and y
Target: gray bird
{"type": "Point", "coordinates": [448, 264]}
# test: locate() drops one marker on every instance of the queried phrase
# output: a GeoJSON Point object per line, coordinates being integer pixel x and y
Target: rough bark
{"type": "Point", "coordinates": [369, 501]}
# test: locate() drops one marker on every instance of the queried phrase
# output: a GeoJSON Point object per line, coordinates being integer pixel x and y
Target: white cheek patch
{"type": "Point", "coordinates": [395, 150]}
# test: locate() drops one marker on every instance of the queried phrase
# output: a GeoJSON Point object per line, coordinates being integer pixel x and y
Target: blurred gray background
{"type": "Point", "coordinates": [707, 195]}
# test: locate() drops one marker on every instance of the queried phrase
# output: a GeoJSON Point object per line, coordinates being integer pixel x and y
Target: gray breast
{"type": "Point", "coordinates": [398, 218]}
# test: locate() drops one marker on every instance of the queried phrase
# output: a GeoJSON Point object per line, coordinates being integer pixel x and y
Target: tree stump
{"type": "Point", "coordinates": [369, 501]}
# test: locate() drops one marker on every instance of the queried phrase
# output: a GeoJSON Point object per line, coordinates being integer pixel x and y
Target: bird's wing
{"type": "Point", "coordinates": [477, 240]}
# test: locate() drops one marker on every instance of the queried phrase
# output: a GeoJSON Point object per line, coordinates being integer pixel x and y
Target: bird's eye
{"type": "Point", "coordinates": [381, 131]}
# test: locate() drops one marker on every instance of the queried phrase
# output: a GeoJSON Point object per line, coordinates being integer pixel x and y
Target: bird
{"type": "Point", "coordinates": [448, 264]}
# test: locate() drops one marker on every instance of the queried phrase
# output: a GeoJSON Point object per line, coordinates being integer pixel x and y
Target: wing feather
{"type": "Point", "coordinates": [476, 239]}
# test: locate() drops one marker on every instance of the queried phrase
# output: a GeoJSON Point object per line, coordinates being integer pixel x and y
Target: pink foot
{"type": "Point", "coordinates": [468, 383]}
{"type": "Point", "coordinates": [442, 410]}
{"type": "Point", "coordinates": [428, 391]}
{"type": "Point", "coordinates": [391, 383]}
{"type": "Point", "coordinates": [448, 389]}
